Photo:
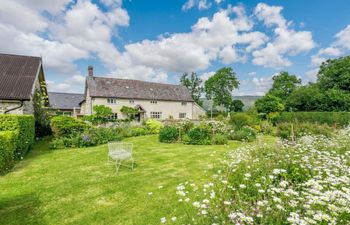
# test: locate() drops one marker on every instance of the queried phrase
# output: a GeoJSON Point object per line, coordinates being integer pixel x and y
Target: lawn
{"type": "Point", "coordinates": [76, 186]}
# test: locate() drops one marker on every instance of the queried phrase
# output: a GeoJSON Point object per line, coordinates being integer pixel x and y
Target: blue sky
{"type": "Point", "coordinates": [158, 40]}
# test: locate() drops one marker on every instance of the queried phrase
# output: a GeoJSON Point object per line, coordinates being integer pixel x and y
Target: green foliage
{"type": "Point", "coordinates": [330, 118]}
{"type": "Point", "coordinates": [139, 131]}
{"type": "Point", "coordinates": [41, 113]}
{"type": "Point", "coordinates": [306, 98]}
{"type": "Point", "coordinates": [24, 126]}
{"type": "Point", "coordinates": [168, 134]}
{"type": "Point", "coordinates": [219, 139]}
{"type": "Point", "coordinates": [194, 84]}
{"type": "Point", "coordinates": [154, 126]}
{"type": "Point", "coordinates": [266, 127]}
{"type": "Point", "coordinates": [198, 136]}
{"type": "Point", "coordinates": [288, 130]}
{"type": "Point", "coordinates": [335, 73]}
{"type": "Point", "coordinates": [239, 120]}
{"type": "Point", "coordinates": [7, 150]}
{"type": "Point", "coordinates": [219, 87]}
{"type": "Point", "coordinates": [129, 111]}
{"type": "Point", "coordinates": [283, 85]}
{"type": "Point", "coordinates": [236, 106]}
{"type": "Point", "coordinates": [268, 104]}
{"type": "Point", "coordinates": [102, 114]}
{"type": "Point", "coordinates": [67, 126]}
{"type": "Point", "coordinates": [244, 134]}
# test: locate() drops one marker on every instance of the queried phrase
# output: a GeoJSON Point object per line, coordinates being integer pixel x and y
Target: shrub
{"type": "Point", "coordinates": [57, 144]}
{"type": "Point", "coordinates": [154, 126]}
{"type": "Point", "coordinates": [244, 134]}
{"type": "Point", "coordinates": [198, 136]}
{"type": "Point", "coordinates": [67, 126]}
{"type": "Point", "coordinates": [330, 118]}
{"type": "Point", "coordinates": [168, 134]}
{"type": "Point", "coordinates": [24, 126]}
{"type": "Point", "coordinates": [266, 127]}
{"type": "Point", "coordinates": [138, 131]}
{"type": "Point", "coordinates": [7, 150]}
{"type": "Point", "coordinates": [284, 130]}
{"type": "Point", "coordinates": [239, 120]}
{"type": "Point", "coordinates": [219, 139]}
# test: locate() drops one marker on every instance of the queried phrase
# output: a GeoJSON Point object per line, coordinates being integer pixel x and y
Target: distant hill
{"type": "Point", "coordinates": [248, 101]}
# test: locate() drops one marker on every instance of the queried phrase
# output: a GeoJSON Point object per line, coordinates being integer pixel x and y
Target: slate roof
{"type": "Point", "coordinates": [65, 100]}
{"type": "Point", "coordinates": [17, 76]}
{"type": "Point", "coordinates": [135, 89]}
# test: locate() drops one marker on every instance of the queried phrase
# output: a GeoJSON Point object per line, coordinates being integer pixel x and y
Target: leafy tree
{"type": "Point", "coordinates": [219, 87]}
{"type": "Point", "coordinates": [335, 73]}
{"type": "Point", "coordinates": [269, 104]}
{"type": "Point", "coordinates": [306, 98]}
{"type": "Point", "coordinates": [237, 106]}
{"type": "Point", "coordinates": [337, 100]}
{"type": "Point", "coordinates": [129, 111]}
{"type": "Point", "coordinates": [194, 85]}
{"type": "Point", "coordinates": [284, 84]}
{"type": "Point", "coordinates": [102, 114]}
{"type": "Point", "coordinates": [41, 112]}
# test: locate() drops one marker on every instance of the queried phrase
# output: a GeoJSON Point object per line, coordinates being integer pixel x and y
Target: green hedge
{"type": "Point", "coordinates": [7, 150]}
{"type": "Point", "coordinates": [285, 131]}
{"type": "Point", "coordinates": [67, 126]}
{"type": "Point", "coordinates": [330, 118]}
{"type": "Point", "coordinates": [168, 134]}
{"type": "Point", "coordinates": [24, 126]}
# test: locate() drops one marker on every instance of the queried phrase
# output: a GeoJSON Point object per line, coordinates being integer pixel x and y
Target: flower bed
{"type": "Point", "coordinates": [307, 182]}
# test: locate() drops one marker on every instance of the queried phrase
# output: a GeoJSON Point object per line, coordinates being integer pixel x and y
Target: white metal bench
{"type": "Point", "coordinates": [120, 152]}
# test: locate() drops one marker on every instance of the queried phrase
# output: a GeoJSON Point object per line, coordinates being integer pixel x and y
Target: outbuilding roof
{"type": "Point", "coordinates": [135, 89]}
{"type": "Point", "coordinates": [17, 76]}
{"type": "Point", "coordinates": [65, 100]}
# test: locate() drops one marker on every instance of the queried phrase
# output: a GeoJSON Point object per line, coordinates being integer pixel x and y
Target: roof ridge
{"type": "Point", "coordinates": [55, 92]}
{"type": "Point", "coordinates": [149, 82]}
{"type": "Point", "coordinates": [9, 54]}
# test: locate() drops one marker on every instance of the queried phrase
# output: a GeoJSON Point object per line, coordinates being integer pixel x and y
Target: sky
{"type": "Point", "coordinates": [159, 40]}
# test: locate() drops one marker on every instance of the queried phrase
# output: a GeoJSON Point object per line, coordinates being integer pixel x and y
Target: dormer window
{"type": "Point", "coordinates": [111, 101]}
{"type": "Point", "coordinates": [153, 102]}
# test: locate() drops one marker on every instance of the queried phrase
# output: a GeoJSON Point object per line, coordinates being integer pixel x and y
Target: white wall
{"type": "Point", "coordinates": [168, 108]}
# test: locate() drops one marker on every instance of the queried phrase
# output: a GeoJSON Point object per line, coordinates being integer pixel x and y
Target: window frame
{"type": "Point", "coordinates": [111, 101]}
{"type": "Point", "coordinates": [156, 115]}
{"type": "Point", "coordinates": [154, 101]}
{"type": "Point", "coordinates": [182, 115]}
{"type": "Point", "coordinates": [184, 103]}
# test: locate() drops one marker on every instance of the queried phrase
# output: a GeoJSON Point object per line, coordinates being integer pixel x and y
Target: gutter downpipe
{"type": "Point", "coordinates": [17, 107]}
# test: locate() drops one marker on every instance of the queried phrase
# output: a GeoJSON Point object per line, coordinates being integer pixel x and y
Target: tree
{"type": "Point", "coordinates": [284, 84]}
{"type": "Point", "coordinates": [306, 98]}
{"type": "Point", "coordinates": [237, 106]}
{"type": "Point", "coordinates": [335, 73]}
{"type": "Point", "coordinates": [194, 84]}
{"type": "Point", "coordinates": [219, 87]}
{"type": "Point", "coordinates": [269, 104]}
{"type": "Point", "coordinates": [337, 100]}
{"type": "Point", "coordinates": [102, 114]}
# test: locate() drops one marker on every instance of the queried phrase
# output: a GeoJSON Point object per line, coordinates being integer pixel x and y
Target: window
{"type": "Point", "coordinates": [182, 115]}
{"type": "Point", "coordinates": [153, 102]}
{"type": "Point", "coordinates": [111, 101]}
{"type": "Point", "coordinates": [114, 116]}
{"type": "Point", "coordinates": [156, 115]}
{"type": "Point", "coordinates": [184, 103]}
{"type": "Point", "coordinates": [131, 101]}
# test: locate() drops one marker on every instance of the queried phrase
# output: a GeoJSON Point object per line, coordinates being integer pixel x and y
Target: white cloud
{"type": "Point", "coordinates": [254, 86]}
{"type": "Point", "coordinates": [206, 76]}
{"type": "Point", "coordinates": [74, 84]}
{"type": "Point", "coordinates": [286, 41]}
{"type": "Point", "coordinates": [343, 38]}
{"type": "Point", "coordinates": [340, 46]}
{"type": "Point", "coordinates": [200, 4]}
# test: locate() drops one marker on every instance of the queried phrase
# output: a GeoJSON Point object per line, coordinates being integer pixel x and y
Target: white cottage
{"type": "Point", "coordinates": [153, 100]}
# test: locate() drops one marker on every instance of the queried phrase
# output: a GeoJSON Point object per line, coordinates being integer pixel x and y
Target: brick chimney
{"type": "Point", "coordinates": [90, 71]}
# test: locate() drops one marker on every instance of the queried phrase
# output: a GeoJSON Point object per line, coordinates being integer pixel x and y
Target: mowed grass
{"type": "Point", "coordinates": [77, 186]}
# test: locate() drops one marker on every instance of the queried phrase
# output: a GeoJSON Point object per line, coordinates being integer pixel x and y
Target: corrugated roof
{"type": "Point", "coordinates": [65, 100]}
{"type": "Point", "coordinates": [135, 89]}
{"type": "Point", "coordinates": [17, 76]}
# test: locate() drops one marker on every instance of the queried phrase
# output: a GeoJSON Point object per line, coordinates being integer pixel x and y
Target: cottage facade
{"type": "Point", "coordinates": [65, 103]}
{"type": "Point", "coordinates": [153, 100]}
{"type": "Point", "coordinates": [20, 78]}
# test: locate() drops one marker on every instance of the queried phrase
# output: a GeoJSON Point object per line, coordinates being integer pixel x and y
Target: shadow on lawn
{"type": "Point", "coordinates": [23, 209]}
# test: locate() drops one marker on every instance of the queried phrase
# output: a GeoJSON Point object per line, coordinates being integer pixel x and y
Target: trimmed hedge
{"type": "Point", "coordinates": [284, 130]}
{"type": "Point", "coordinates": [24, 126]}
{"type": "Point", "coordinates": [330, 118]}
{"type": "Point", "coordinates": [168, 134]}
{"type": "Point", "coordinates": [67, 126]}
{"type": "Point", "coordinates": [7, 150]}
